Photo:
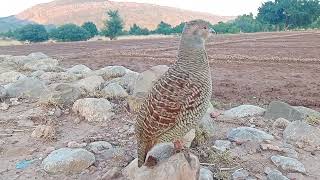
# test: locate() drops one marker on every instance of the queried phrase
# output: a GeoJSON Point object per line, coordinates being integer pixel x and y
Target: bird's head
{"type": "Point", "coordinates": [197, 31]}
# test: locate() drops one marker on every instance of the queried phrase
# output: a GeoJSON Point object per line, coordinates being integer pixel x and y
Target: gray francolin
{"type": "Point", "coordinates": [179, 99]}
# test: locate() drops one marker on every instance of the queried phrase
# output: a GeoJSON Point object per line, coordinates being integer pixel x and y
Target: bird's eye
{"type": "Point", "coordinates": [205, 27]}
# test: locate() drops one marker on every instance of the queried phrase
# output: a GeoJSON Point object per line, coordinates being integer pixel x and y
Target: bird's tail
{"type": "Point", "coordinates": [143, 149]}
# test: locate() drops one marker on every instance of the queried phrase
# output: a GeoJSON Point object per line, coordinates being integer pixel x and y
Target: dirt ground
{"type": "Point", "coordinates": [246, 68]}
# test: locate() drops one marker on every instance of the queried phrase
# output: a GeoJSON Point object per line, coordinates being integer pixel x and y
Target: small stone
{"type": "Point", "coordinates": [243, 134]}
{"type": "Point", "coordinates": [244, 111]}
{"type": "Point", "coordinates": [99, 146]}
{"type": "Point", "coordinates": [74, 144]}
{"type": "Point", "coordinates": [271, 147]}
{"type": "Point", "coordinates": [205, 174]}
{"type": "Point", "coordinates": [288, 164]}
{"type": "Point", "coordinates": [273, 174]}
{"type": "Point", "coordinates": [280, 123]}
{"type": "Point", "coordinates": [14, 101]}
{"type": "Point", "coordinates": [240, 174]}
{"type": "Point", "coordinates": [4, 106]}
{"type": "Point", "coordinates": [222, 145]}
{"type": "Point", "coordinates": [43, 131]}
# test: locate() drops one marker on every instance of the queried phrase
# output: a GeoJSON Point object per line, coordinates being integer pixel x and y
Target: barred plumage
{"type": "Point", "coordinates": [179, 99]}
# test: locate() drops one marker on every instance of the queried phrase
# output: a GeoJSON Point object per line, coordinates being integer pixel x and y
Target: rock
{"type": "Point", "coordinates": [113, 173]}
{"type": "Point", "coordinates": [93, 109]}
{"type": "Point", "coordinates": [38, 55]}
{"type": "Point", "coordinates": [111, 72]}
{"type": "Point", "coordinates": [273, 174]}
{"type": "Point", "coordinates": [280, 123]}
{"type": "Point", "coordinates": [278, 109]}
{"type": "Point", "coordinates": [307, 111]}
{"type": "Point", "coordinates": [61, 95]}
{"type": "Point", "coordinates": [174, 168]}
{"type": "Point", "coordinates": [79, 69]}
{"type": "Point", "coordinates": [299, 132]}
{"type": "Point", "coordinates": [74, 144]}
{"type": "Point", "coordinates": [160, 152]}
{"type": "Point", "coordinates": [3, 92]}
{"type": "Point", "coordinates": [243, 134]}
{"type": "Point", "coordinates": [91, 83]}
{"type": "Point", "coordinates": [47, 64]}
{"type": "Point", "coordinates": [4, 106]}
{"type": "Point", "coordinates": [66, 160]}
{"type": "Point", "coordinates": [288, 164]}
{"type": "Point", "coordinates": [10, 77]}
{"type": "Point", "coordinates": [18, 60]}
{"type": "Point", "coordinates": [240, 174]}
{"type": "Point", "coordinates": [14, 101]}
{"type": "Point", "coordinates": [37, 74]}
{"type": "Point", "coordinates": [222, 145]}
{"type": "Point", "coordinates": [26, 87]}
{"type": "Point", "coordinates": [244, 111]}
{"type": "Point", "coordinates": [127, 81]}
{"type": "Point", "coordinates": [98, 146]}
{"type": "Point", "coordinates": [207, 123]}
{"type": "Point", "coordinates": [43, 131]}
{"type": "Point", "coordinates": [205, 174]}
{"type": "Point", "coordinates": [52, 77]}
{"type": "Point", "coordinates": [114, 91]}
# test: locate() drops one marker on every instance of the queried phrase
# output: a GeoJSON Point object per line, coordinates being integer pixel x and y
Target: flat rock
{"type": "Point", "coordinates": [91, 83]}
{"type": "Point", "coordinates": [26, 87]}
{"type": "Point", "coordinates": [278, 109]}
{"type": "Point", "coordinates": [244, 111]}
{"type": "Point", "coordinates": [67, 160]}
{"type": "Point", "coordinates": [47, 64]}
{"type": "Point", "coordinates": [243, 134]}
{"type": "Point", "coordinates": [114, 91]}
{"type": "Point", "coordinates": [273, 174]}
{"type": "Point", "coordinates": [288, 164]}
{"type": "Point", "coordinates": [93, 109]}
{"type": "Point", "coordinates": [205, 174]}
{"type": "Point", "coordinates": [174, 168]}
{"type": "Point", "coordinates": [302, 134]}
{"type": "Point", "coordinates": [10, 77]}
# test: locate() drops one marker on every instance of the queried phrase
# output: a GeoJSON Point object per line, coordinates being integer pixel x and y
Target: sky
{"type": "Point", "coordinates": [218, 7]}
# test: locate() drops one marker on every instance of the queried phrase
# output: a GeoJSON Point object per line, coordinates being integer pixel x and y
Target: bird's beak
{"type": "Point", "coordinates": [212, 31]}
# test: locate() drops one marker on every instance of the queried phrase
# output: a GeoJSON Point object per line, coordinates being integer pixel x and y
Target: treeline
{"type": "Point", "coordinates": [272, 16]}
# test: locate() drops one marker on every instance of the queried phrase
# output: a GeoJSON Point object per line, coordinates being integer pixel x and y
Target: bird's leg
{"type": "Point", "coordinates": [180, 147]}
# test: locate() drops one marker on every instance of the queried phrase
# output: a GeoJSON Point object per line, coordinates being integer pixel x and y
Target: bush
{"type": "Point", "coordinates": [113, 26]}
{"type": "Point", "coordinates": [137, 30]}
{"type": "Point", "coordinates": [164, 28]}
{"type": "Point", "coordinates": [91, 28]}
{"type": "Point", "coordinates": [70, 32]}
{"type": "Point", "coordinates": [32, 33]}
{"type": "Point", "coordinates": [179, 28]}
{"type": "Point", "coordinates": [316, 24]}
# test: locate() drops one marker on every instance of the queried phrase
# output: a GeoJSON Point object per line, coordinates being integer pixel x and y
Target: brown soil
{"type": "Point", "coordinates": [247, 68]}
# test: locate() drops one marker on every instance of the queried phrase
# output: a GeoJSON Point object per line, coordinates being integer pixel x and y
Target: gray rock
{"type": "Point", "coordinates": [114, 91]}
{"type": "Point", "coordinates": [205, 174]}
{"type": "Point", "coordinates": [3, 92]}
{"type": "Point", "coordinates": [300, 133]}
{"type": "Point", "coordinates": [61, 95]}
{"type": "Point", "coordinates": [280, 123]}
{"type": "Point", "coordinates": [52, 77]}
{"type": "Point", "coordinates": [91, 83]}
{"type": "Point", "coordinates": [240, 174]}
{"type": "Point", "coordinates": [307, 111]}
{"type": "Point", "coordinates": [26, 87]}
{"type": "Point", "coordinates": [10, 77]}
{"type": "Point", "coordinates": [207, 123]}
{"type": "Point", "coordinates": [79, 69]}
{"type": "Point", "coordinates": [47, 64]}
{"type": "Point", "coordinates": [93, 109]}
{"type": "Point", "coordinates": [37, 55]}
{"type": "Point", "coordinates": [222, 145]}
{"type": "Point", "coordinates": [111, 72]}
{"type": "Point", "coordinates": [66, 160]}
{"type": "Point", "coordinates": [244, 111]}
{"type": "Point", "coordinates": [273, 174]}
{"type": "Point", "coordinates": [37, 73]}
{"type": "Point", "coordinates": [278, 109]}
{"type": "Point", "coordinates": [127, 81]}
{"type": "Point", "coordinates": [100, 147]}
{"type": "Point", "coordinates": [243, 134]}
{"type": "Point", "coordinates": [288, 164]}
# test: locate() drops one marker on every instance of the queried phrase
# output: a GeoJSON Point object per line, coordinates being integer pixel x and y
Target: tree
{"type": "Point", "coordinates": [70, 32]}
{"type": "Point", "coordinates": [113, 26]}
{"type": "Point", "coordinates": [32, 33]}
{"type": "Point", "coordinates": [316, 24]}
{"type": "Point", "coordinates": [227, 27]}
{"type": "Point", "coordinates": [164, 28]}
{"type": "Point", "coordinates": [247, 24]}
{"type": "Point", "coordinates": [91, 28]}
{"type": "Point", "coordinates": [179, 28]}
{"type": "Point", "coordinates": [137, 30]}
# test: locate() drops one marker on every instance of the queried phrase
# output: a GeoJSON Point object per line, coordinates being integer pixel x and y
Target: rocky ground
{"type": "Point", "coordinates": [78, 123]}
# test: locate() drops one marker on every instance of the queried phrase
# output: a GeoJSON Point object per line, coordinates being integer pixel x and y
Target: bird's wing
{"type": "Point", "coordinates": [170, 98]}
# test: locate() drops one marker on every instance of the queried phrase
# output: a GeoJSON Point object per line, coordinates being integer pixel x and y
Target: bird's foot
{"type": "Point", "coordinates": [180, 147]}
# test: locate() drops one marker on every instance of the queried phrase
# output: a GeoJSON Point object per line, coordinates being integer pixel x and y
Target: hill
{"type": "Point", "coordinates": [78, 11]}
{"type": "Point", "coordinates": [11, 23]}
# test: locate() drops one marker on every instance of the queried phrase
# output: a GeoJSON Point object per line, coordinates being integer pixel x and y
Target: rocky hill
{"type": "Point", "coordinates": [79, 11]}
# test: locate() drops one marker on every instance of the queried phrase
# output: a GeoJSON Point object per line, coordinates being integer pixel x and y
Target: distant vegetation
{"type": "Point", "coordinates": [274, 15]}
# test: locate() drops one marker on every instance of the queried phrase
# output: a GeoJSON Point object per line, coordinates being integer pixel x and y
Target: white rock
{"type": "Point", "coordinates": [244, 111]}
{"type": "Point", "coordinates": [93, 109]}
{"type": "Point", "coordinates": [66, 160]}
{"type": "Point", "coordinates": [288, 164]}
{"type": "Point", "coordinates": [91, 83]}
{"type": "Point", "coordinates": [114, 91]}
{"type": "Point", "coordinates": [4, 106]}
{"type": "Point", "coordinates": [10, 77]}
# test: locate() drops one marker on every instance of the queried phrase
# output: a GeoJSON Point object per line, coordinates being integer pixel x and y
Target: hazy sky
{"type": "Point", "coordinates": [220, 7]}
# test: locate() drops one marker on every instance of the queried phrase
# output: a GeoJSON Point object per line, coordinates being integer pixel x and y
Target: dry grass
{"type": "Point", "coordinates": [313, 120]}
{"type": "Point", "coordinates": [4, 42]}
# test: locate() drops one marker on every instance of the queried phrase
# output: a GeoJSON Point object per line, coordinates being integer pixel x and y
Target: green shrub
{"type": "Point", "coordinates": [69, 32]}
{"type": "Point", "coordinates": [91, 28]}
{"type": "Point", "coordinates": [32, 33]}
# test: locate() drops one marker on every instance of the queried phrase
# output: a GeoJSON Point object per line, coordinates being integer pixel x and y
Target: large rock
{"type": "Point", "coordinates": [244, 111]}
{"type": "Point", "coordinates": [26, 87]}
{"type": "Point", "coordinates": [38, 55]}
{"type": "Point", "coordinates": [93, 109]}
{"type": "Point", "coordinates": [127, 81]}
{"type": "Point", "coordinates": [52, 77]}
{"type": "Point", "coordinates": [288, 164]}
{"type": "Point", "coordinates": [243, 134]}
{"type": "Point", "coordinates": [61, 95]}
{"type": "Point", "coordinates": [10, 77]}
{"type": "Point", "coordinates": [91, 83]}
{"type": "Point", "coordinates": [66, 160]}
{"type": "Point", "coordinates": [307, 111]}
{"type": "Point", "coordinates": [47, 64]}
{"type": "Point", "coordinates": [174, 168]}
{"type": "Point", "coordinates": [79, 69]}
{"type": "Point", "coordinates": [278, 109]}
{"type": "Point", "coordinates": [114, 91]}
{"type": "Point", "coordinates": [111, 72]}
{"type": "Point", "coordinates": [302, 134]}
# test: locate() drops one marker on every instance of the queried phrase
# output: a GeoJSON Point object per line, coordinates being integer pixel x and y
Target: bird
{"type": "Point", "coordinates": [180, 97]}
